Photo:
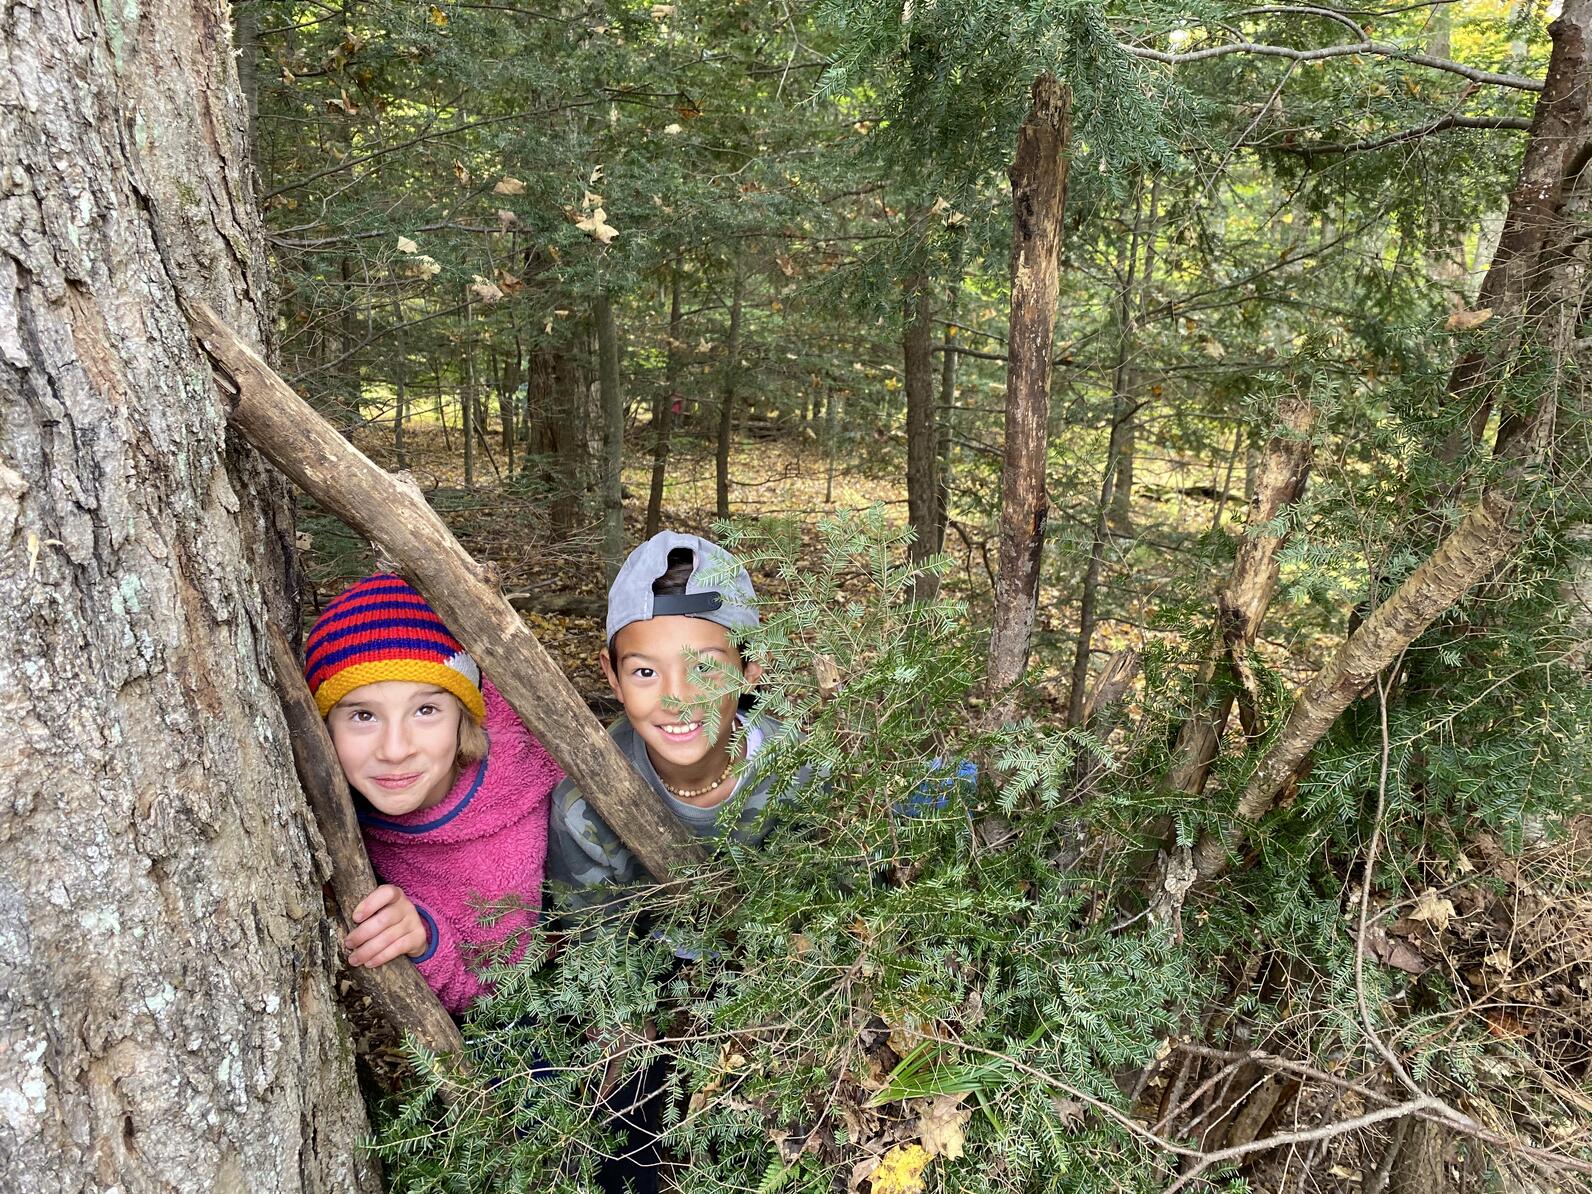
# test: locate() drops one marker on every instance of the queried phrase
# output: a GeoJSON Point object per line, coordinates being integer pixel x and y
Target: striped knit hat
{"type": "Point", "coordinates": [382, 629]}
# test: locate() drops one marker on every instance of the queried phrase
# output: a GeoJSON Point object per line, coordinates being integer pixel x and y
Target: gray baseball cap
{"type": "Point", "coordinates": [718, 590]}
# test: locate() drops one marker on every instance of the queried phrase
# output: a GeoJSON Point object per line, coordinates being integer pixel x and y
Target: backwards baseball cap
{"type": "Point", "coordinates": [718, 590]}
{"type": "Point", "coordinates": [383, 629]}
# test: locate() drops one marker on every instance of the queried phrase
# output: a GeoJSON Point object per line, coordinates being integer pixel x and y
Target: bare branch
{"type": "Point", "coordinates": [1436, 126]}
{"type": "Point", "coordinates": [1380, 49]}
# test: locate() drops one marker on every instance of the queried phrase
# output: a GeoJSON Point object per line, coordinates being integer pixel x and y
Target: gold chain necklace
{"type": "Point", "coordinates": [692, 793]}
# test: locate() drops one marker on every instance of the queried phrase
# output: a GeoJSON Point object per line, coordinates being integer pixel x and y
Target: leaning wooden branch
{"type": "Point", "coordinates": [396, 988]}
{"type": "Point", "coordinates": [391, 513]}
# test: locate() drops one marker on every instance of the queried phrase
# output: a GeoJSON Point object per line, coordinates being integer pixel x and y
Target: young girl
{"type": "Point", "coordinates": [455, 788]}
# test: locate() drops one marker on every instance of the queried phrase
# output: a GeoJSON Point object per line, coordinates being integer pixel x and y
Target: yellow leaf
{"type": "Point", "coordinates": [509, 185]}
{"type": "Point", "coordinates": [943, 1127]}
{"type": "Point", "coordinates": [1465, 321]}
{"type": "Point", "coordinates": [662, 12]}
{"type": "Point", "coordinates": [485, 290]}
{"type": "Point", "coordinates": [438, 17]}
{"type": "Point", "coordinates": [462, 174]}
{"type": "Point", "coordinates": [1433, 909]}
{"type": "Point", "coordinates": [901, 1170]}
{"type": "Point", "coordinates": [597, 227]}
{"type": "Point", "coordinates": [422, 267]}
{"type": "Point", "coordinates": [405, 245]}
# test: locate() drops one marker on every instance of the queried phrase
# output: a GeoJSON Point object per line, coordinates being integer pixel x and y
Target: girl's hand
{"type": "Point", "coordinates": [386, 925]}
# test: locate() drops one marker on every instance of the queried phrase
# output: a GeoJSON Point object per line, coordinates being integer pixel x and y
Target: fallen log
{"type": "Point", "coordinates": [390, 512]}
{"type": "Point", "coordinates": [396, 988]}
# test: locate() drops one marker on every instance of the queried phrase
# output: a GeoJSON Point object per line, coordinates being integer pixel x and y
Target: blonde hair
{"type": "Point", "coordinates": [472, 740]}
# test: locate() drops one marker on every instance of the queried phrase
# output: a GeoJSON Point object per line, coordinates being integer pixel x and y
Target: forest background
{"type": "Point", "coordinates": [1232, 354]}
{"type": "Point", "coordinates": [588, 271]}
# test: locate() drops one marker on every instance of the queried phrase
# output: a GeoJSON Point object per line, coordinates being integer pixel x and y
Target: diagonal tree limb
{"type": "Point", "coordinates": [391, 512]}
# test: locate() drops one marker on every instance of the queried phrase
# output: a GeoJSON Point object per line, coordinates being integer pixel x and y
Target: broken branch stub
{"type": "Point", "coordinates": [392, 514]}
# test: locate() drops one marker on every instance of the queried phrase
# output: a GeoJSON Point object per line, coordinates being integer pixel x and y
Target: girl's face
{"type": "Point", "coordinates": [397, 742]}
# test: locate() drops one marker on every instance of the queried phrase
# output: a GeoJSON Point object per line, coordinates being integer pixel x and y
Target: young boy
{"type": "Point", "coordinates": [671, 613]}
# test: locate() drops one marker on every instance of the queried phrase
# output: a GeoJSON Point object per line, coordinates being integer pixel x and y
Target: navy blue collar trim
{"type": "Point", "coordinates": [427, 827]}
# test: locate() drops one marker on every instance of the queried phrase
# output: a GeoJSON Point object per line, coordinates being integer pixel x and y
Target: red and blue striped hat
{"type": "Point", "coordinates": [383, 629]}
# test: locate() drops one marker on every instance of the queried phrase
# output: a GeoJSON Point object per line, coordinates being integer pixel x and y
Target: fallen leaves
{"type": "Point", "coordinates": [509, 185]}
{"type": "Point", "coordinates": [1432, 909]}
{"type": "Point", "coordinates": [1467, 321]}
{"type": "Point", "coordinates": [597, 227]}
{"type": "Point", "coordinates": [943, 1127]}
{"type": "Point", "coordinates": [485, 289]}
{"type": "Point", "coordinates": [900, 1171]}
{"type": "Point", "coordinates": [405, 245]}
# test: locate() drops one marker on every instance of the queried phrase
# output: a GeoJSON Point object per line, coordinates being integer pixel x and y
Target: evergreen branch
{"type": "Point", "coordinates": [1414, 134]}
{"type": "Point", "coordinates": [1377, 48]}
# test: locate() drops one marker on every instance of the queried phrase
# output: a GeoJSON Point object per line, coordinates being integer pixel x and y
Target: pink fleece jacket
{"type": "Point", "coordinates": [484, 845]}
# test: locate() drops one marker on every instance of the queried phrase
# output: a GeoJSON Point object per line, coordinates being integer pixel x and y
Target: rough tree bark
{"type": "Point", "coordinates": [613, 399]}
{"type": "Point", "coordinates": [1039, 193]}
{"type": "Point", "coordinates": [731, 386]}
{"type": "Point", "coordinates": [169, 1019]}
{"type": "Point", "coordinates": [917, 352]}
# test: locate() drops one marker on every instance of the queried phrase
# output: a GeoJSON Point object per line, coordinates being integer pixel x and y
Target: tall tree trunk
{"type": "Point", "coordinates": [170, 1014]}
{"type": "Point", "coordinates": [613, 436]}
{"type": "Point", "coordinates": [917, 352]}
{"type": "Point", "coordinates": [831, 440]}
{"type": "Point", "coordinates": [944, 420]}
{"type": "Point", "coordinates": [732, 372]}
{"type": "Point", "coordinates": [1552, 160]}
{"type": "Point", "coordinates": [1242, 602]}
{"type": "Point", "coordinates": [1111, 478]}
{"type": "Point", "coordinates": [1039, 193]}
{"type": "Point", "coordinates": [1122, 491]}
{"type": "Point", "coordinates": [468, 400]}
{"type": "Point", "coordinates": [569, 446]}
{"type": "Point", "coordinates": [346, 369]}
{"type": "Point", "coordinates": [400, 406]}
{"type": "Point", "coordinates": [663, 409]}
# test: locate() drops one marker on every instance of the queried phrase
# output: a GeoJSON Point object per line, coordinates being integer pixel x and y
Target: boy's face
{"type": "Point", "coordinates": [651, 670]}
{"type": "Point", "coordinates": [397, 742]}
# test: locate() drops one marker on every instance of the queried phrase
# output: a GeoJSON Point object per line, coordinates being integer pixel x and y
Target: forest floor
{"type": "Point", "coordinates": [1512, 927]}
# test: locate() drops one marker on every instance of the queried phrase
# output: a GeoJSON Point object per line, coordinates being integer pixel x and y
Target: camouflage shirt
{"type": "Point", "coordinates": [585, 858]}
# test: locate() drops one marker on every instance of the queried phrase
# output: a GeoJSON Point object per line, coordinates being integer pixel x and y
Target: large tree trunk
{"type": "Point", "coordinates": [922, 483]}
{"type": "Point", "coordinates": [1039, 194]}
{"type": "Point", "coordinates": [169, 1018]}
